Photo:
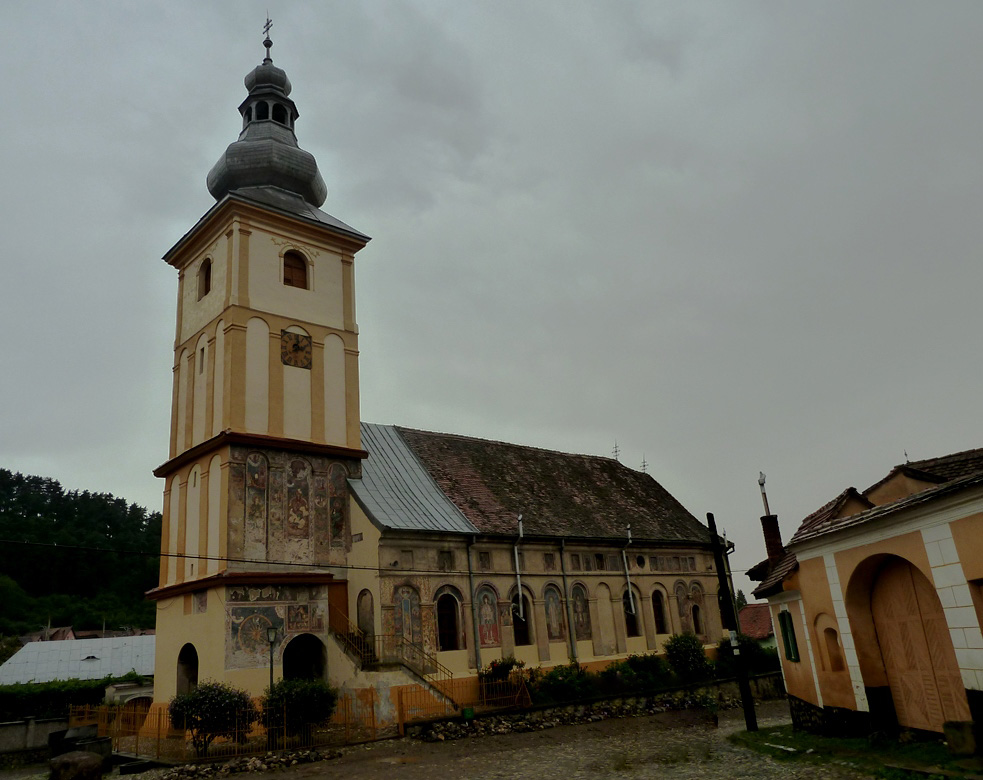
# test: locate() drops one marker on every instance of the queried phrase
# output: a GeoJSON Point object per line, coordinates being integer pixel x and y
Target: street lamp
{"type": "Point", "coordinates": [271, 638]}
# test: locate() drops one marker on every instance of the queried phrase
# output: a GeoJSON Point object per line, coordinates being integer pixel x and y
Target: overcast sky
{"type": "Point", "coordinates": [730, 236]}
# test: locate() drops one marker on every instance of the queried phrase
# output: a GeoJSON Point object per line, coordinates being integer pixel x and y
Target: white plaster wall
{"type": "Point", "coordinates": [214, 509]}
{"type": "Point", "coordinates": [257, 375]}
{"type": "Point", "coordinates": [297, 398]}
{"type": "Point", "coordinates": [172, 536]}
{"type": "Point", "coordinates": [199, 399]}
{"type": "Point", "coordinates": [218, 389]}
{"type": "Point", "coordinates": [322, 303]}
{"type": "Point", "coordinates": [196, 314]}
{"type": "Point", "coordinates": [335, 428]}
{"type": "Point", "coordinates": [192, 524]}
{"type": "Point", "coordinates": [182, 400]}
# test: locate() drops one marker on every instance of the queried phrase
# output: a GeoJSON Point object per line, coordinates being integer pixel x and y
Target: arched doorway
{"type": "Point", "coordinates": [304, 658]}
{"type": "Point", "coordinates": [187, 669]}
{"type": "Point", "coordinates": [448, 612]}
{"type": "Point", "coordinates": [366, 614]}
{"type": "Point", "coordinates": [916, 648]}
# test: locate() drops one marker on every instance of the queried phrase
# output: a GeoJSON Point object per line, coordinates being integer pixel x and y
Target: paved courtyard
{"type": "Point", "coordinates": [649, 747]}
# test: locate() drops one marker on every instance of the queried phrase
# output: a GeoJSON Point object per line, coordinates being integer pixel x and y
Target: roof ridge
{"type": "Point", "coordinates": [464, 437]}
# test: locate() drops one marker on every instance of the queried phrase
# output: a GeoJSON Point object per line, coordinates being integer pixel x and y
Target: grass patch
{"type": "Point", "coordinates": [879, 757]}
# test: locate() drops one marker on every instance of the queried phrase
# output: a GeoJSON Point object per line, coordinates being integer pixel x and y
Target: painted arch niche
{"type": "Point", "coordinates": [896, 615]}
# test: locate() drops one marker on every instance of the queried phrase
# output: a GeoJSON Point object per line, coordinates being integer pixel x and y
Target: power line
{"type": "Point", "coordinates": [265, 562]}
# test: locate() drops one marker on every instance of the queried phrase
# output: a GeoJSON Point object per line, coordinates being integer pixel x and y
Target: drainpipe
{"type": "Point", "coordinates": [624, 560]}
{"type": "Point", "coordinates": [474, 609]}
{"type": "Point", "coordinates": [518, 576]}
{"type": "Point", "coordinates": [566, 598]}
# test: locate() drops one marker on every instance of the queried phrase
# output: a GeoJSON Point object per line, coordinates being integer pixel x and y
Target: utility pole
{"type": "Point", "coordinates": [728, 616]}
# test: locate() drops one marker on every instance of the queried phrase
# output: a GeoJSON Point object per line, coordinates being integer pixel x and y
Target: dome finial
{"type": "Point", "coordinates": [267, 42]}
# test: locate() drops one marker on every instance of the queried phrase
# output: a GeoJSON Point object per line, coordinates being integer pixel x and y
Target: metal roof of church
{"type": "Point", "coordinates": [397, 492]}
{"type": "Point", "coordinates": [80, 659]}
{"type": "Point", "coordinates": [482, 486]}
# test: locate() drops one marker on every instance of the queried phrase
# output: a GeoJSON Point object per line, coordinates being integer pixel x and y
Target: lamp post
{"type": "Point", "coordinates": [271, 638]}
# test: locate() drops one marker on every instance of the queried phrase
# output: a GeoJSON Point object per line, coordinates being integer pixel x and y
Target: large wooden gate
{"type": "Point", "coordinates": [916, 647]}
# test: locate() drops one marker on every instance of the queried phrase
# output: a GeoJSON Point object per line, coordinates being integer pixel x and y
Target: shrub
{"type": "Point", "coordinates": [757, 659]}
{"type": "Point", "coordinates": [562, 684]}
{"type": "Point", "coordinates": [687, 658]}
{"type": "Point", "coordinates": [211, 710]}
{"type": "Point", "coordinates": [52, 699]}
{"type": "Point", "coordinates": [294, 705]}
{"type": "Point", "coordinates": [500, 669]}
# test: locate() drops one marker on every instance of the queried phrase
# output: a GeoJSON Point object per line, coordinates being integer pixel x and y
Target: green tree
{"type": "Point", "coordinates": [741, 599]}
{"type": "Point", "coordinates": [296, 705]}
{"type": "Point", "coordinates": [686, 656]}
{"type": "Point", "coordinates": [211, 710]}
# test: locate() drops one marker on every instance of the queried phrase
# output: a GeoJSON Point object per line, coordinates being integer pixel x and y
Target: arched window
{"type": "Point", "coordinates": [262, 111]}
{"type": "Point", "coordinates": [448, 622]}
{"type": "Point", "coordinates": [631, 614]}
{"type": "Point", "coordinates": [294, 270]}
{"type": "Point", "coordinates": [520, 625]}
{"type": "Point", "coordinates": [279, 114]}
{"type": "Point", "coordinates": [697, 620]}
{"type": "Point", "coordinates": [187, 669]}
{"type": "Point", "coordinates": [204, 277]}
{"type": "Point", "coordinates": [248, 115]}
{"type": "Point", "coordinates": [659, 608]}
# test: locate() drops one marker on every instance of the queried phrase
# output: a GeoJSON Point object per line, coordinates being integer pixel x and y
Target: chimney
{"type": "Point", "coordinates": [773, 537]}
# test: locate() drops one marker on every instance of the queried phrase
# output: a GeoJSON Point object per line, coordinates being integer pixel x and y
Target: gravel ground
{"type": "Point", "coordinates": [677, 745]}
{"type": "Point", "coordinates": [673, 745]}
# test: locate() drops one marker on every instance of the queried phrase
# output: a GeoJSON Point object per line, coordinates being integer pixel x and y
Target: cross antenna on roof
{"type": "Point", "coordinates": [617, 450]}
{"type": "Point", "coordinates": [266, 41]}
{"type": "Point", "coordinates": [906, 457]}
{"type": "Point", "coordinates": [645, 464]}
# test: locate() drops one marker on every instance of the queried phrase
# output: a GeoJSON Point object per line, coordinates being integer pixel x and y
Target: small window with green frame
{"type": "Point", "coordinates": [788, 635]}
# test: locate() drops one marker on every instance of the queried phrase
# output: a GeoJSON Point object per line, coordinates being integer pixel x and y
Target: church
{"type": "Point", "coordinates": [299, 541]}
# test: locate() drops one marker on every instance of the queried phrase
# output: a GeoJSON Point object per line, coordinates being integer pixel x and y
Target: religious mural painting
{"type": "Point", "coordinates": [581, 613]}
{"type": "Point", "coordinates": [489, 632]}
{"type": "Point", "coordinates": [407, 622]}
{"type": "Point", "coordinates": [256, 506]}
{"type": "Point", "coordinates": [251, 610]}
{"type": "Point", "coordinates": [298, 524]}
{"type": "Point", "coordinates": [338, 503]}
{"type": "Point", "coordinates": [554, 614]}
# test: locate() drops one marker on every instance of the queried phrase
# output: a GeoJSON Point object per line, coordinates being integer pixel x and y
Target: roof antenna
{"type": "Point", "coordinates": [617, 450]}
{"type": "Point", "coordinates": [906, 457]}
{"type": "Point", "coordinates": [764, 495]}
{"type": "Point", "coordinates": [645, 464]}
{"type": "Point", "coordinates": [267, 42]}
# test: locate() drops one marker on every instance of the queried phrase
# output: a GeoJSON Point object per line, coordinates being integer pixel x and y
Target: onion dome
{"type": "Point", "coordinates": [266, 153]}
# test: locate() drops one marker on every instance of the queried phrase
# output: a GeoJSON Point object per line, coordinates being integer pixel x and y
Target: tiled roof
{"type": "Point", "coordinates": [959, 464]}
{"type": "Point", "coordinates": [79, 659]}
{"type": "Point", "coordinates": [883, 510]}
{"type": "Point", "coordinates": [827, 513]}
{"type": "Point", "coordinates": [558, 494]}
{"type": "Point", "coordinates": [397, 492]}
{"type": "Point", "coordinates": [773, 582]}
{"type": "Point", "coordinates": [755, 621]}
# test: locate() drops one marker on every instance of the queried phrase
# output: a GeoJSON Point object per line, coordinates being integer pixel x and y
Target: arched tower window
{"type": "Point", "coordinates": [204, 278]}
{"type": "Point", "coordinates": [294, 270]}
{"type": "Point", "coordinates": [279, 114]}
{"type": "Point", "coordinates": [187, 669]}
{"type": "Point", "coordinates": [262, 110]}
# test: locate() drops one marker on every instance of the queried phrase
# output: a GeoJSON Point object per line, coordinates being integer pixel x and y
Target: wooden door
{"type": "Point", "coordinates": [915, 645]}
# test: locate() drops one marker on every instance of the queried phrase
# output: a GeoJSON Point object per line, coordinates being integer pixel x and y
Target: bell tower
{"type": "Point", "coordinates": [264, 413]}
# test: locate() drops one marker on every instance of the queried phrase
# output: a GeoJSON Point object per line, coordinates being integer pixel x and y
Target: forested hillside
{"type": "Point", "coordinates": [68, 586]}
